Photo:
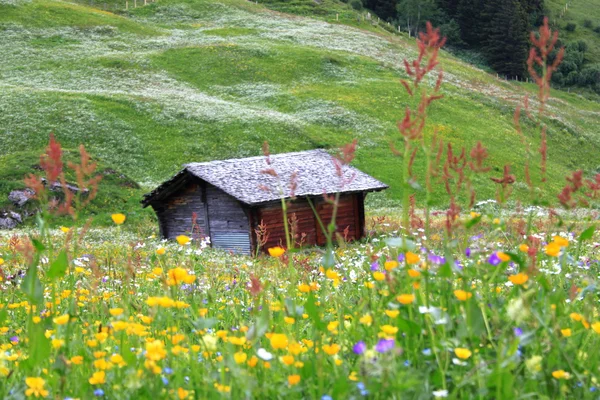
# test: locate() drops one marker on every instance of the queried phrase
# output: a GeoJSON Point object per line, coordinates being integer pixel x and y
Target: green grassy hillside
{"type": "Point", "coordinates": [179, 81]}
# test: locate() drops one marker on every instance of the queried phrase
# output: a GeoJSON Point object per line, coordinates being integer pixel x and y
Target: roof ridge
{"type": "Point", "coordinates": [277, 155]}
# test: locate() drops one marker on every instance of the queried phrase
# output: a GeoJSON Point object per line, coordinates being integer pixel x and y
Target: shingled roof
{"type": "Point", "coordinates": [246, 180]}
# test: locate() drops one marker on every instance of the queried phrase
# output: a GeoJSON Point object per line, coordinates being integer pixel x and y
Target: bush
{"type": "Point", "coordinates": [597, 29]}
{"type": "Point", "coordinates": [571, 26]}
{"type": "Point", "coordinates": [587, 23]}
{"type": "Point", "coordinates": [356, 4]}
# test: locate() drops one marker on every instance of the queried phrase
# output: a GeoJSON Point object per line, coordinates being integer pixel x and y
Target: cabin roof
{"type": "Point", "coordinates": [247, 179]}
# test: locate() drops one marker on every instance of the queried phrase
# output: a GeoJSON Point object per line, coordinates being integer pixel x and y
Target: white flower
{"type": "Point", "coordinates": [438, 394]}
{"type": "Point", "coordinates": [264, 355]}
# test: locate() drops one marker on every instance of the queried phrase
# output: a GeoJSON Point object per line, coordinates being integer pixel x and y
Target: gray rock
{"type": "Point", "coordinates": [7, 223]}
{"type": "Point", "coordinates": [20, 197]}
{"type": "Point", "coordinates": [16, 216]}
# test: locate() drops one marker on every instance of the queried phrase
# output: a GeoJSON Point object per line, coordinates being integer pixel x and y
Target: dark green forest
{"type": "Point", "coordinates": [490, 33]}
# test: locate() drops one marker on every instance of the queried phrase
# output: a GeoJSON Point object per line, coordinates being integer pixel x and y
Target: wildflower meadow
{"type": "Point", "coordinates": [478, 300]}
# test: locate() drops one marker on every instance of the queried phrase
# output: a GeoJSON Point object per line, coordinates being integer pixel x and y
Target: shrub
{"type": "Point", "coordinates": [587, 23]}
{"type": "Point", "coordinates": [597, 29]}
{"type": "Point", "coordinates": [571, 26]}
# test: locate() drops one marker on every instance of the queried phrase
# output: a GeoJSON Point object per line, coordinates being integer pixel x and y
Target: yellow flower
{"type": "Point", "coordinates": [118, 360]}
{"type": "Point", "coordinates": [160, 251]}
{"type": "Point", "coordinates": [293, 379]}
{"type": "Point", "coordinates": [35, 387]}
{"type": "Point", "coordinates": [287, 360]}
{"type": "Point", "coordinates": [77, 360]}
{"type": "Point", "coordinates": [177, 276]}
{"type": "Point", "coordinates": [332, 326]}
{"type": "Point", "coordinates": [412, 258]}
{"type": "Point", "coordinates": [378, 276]}
{"type": "Point", "coordinates": [304, 288]}
{"type": "Point", "coordinates": [389, 330]}
{"type": "Point", "coordinates": [331, 349]}
{"type": "Point", "coordinates": [413, 273]}
{"type": "Point", "coordinates": [98, 378]}
{"type": "Point", "coordinates": [561, 374]}
{"type": "Point", "coordinates": [279, 341]}
{"type": "Point", "coordinates": [115, 311]}
{"type": "Point", "coordinates": [462, 353]}
{"type": "Point", "coordinates": [552, 249]}
{"type": "Point", "coordinates": [561, 241]}
{"type": "Point", "coordinates": [183, 240]}
{"type": "Point", "coordinates": [503, 256]}
{"type": "Point", "coordinates": [1, 261]}
{"type": "Point", "coordinates": [240, 357]}
{"type": "Point", "coordinates": [289, 320]}
{"type": "Point", "coordinates": [118, 218]}
{"type": "Point", "coordinates": [566, 332]}
{"type": "Point", "coordinates": [252, 361]}
{"type": "Point", "coordinates": [392, 313]}
{"type": "Point", "coordinates": [576, 316]}
{"type": "Point", "coordinates": [406, 298]}
{"type": "Point", "coordinates": [524, 248]}
{"type": "Point", "coordinates": [390, 265]}
{"type": "Point", "coordinates": [63, 319]}
{"type": "Point", "coordinates": [596, 327]}
{"type": "Point", "coordinates": [65, 229]}
{"type": "Point", "coordinates": [463, 295]}
{"type": "Point", "coordinates": [366, 319]}
{"type": "Point", "coordinates": [276, 251]}
{"type": "Point", "coordinates": [182, 393]}
{"type": "Point", "coordinates": [155, 350]}
{"type": "Point", "coordinates": [519, 278]}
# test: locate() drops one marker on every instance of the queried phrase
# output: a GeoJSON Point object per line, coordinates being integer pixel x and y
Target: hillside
{"type": "Point", "coordinates": [579, 22]}
{"type": "Point", "coordinates": [177, 81]}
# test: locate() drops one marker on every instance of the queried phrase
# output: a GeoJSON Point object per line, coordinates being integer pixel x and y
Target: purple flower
{"type": "Point", "coordinates": [374, 266]}
{"type": "Point", "coordinates": [384, 345]}
{"type": "Point", "coordinates": [494, 259]}
{"type": "Point", "coordinates": [401, 257]}
{"type": "Point", "coordinates": [468, 252]}
{"type": "Point", "coordinates": [99, 392]}
{"type": "Point", "coordinates": [518, 331]}
{"type": "Point", "coordinates": [359, 347]}
{"type": "Point", "coordinates": [437, 260]}
{"type": "Point", "coordinates": [14, 339]}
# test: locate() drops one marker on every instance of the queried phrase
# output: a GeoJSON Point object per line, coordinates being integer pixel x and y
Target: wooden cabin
{"type": "Point", "coordinates": [227, 200]}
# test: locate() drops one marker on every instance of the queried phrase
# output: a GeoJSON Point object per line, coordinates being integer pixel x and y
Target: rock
{"type": "Point", "coordinates": [16, 216]}
{"type": "Point", "coordinates": [10, 219]}
{"type": "Point", "coordinates": [58, 187]}
{"type": "Point", "coordinates": [7, 223]}
{"type": "Point", "coordinates": [20, 197]}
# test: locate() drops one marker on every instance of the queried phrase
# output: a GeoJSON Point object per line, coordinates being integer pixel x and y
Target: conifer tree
{"type": "Point", "coordinates": [506, 36]}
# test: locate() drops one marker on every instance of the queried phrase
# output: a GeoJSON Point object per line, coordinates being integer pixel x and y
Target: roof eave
{"type": "Point", "coordinates": [261, 203]}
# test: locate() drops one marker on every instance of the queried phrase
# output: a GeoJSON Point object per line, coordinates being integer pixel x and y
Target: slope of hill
{"type": "Point", "coordinates": [579, 21]}
{"type": "Point", "coordinates": [181, 80]}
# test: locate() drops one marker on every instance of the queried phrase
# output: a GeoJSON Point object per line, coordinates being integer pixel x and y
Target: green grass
{"type": "Point", "coordinates": [182, 81]}
{"type": "Point", "coordinates": [45, 14]}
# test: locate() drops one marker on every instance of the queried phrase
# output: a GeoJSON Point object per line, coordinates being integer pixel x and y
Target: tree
{"type": "Point", "coordinates": [506, 37]}
{"type": "Point", "coordinates": [415, 13]}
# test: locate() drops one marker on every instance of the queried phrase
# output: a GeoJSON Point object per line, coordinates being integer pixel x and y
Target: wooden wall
{"type": "Point", "coordinates": [175, 212]}
{"type": "Point", "coordinates": [228, 223]}
{"type": "Point", "coordinates": [350, 215]}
